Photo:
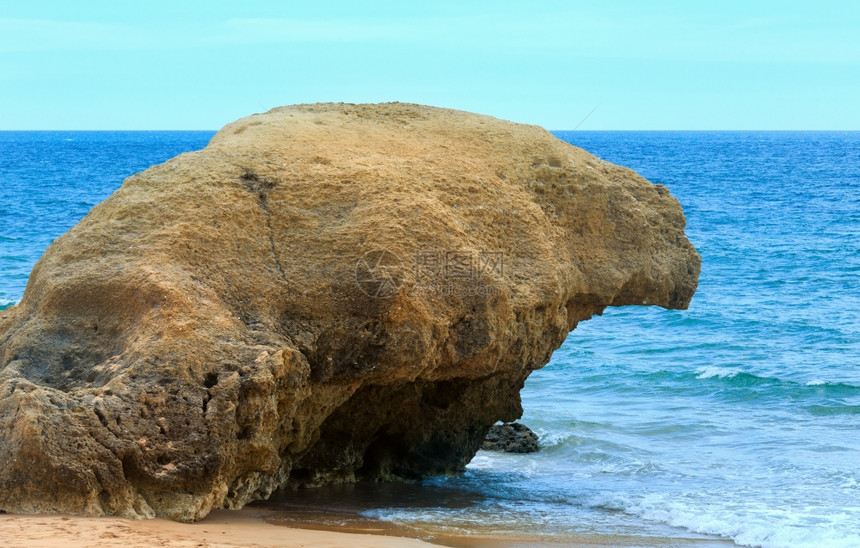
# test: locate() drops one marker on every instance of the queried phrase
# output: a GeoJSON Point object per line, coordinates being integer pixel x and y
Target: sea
{"type": "Point", "coordinates": [736, 421]}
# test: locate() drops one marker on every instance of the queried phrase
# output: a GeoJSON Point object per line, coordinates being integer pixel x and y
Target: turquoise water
{"type": "Point", "coordinates": [736, 419]}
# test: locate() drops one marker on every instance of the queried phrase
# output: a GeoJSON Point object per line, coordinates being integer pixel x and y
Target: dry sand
{"type": "Point", "coordinates": [222, 528]}
{"type": "Point", "coordinates": [247, 528]}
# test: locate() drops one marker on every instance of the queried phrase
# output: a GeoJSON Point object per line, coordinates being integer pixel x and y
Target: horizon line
{"type": "Point", "coordinates": [550, 130]}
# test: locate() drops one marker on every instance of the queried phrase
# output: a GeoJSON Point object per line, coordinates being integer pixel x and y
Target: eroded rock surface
{"type": "Point", "coordinates": [324, 293]}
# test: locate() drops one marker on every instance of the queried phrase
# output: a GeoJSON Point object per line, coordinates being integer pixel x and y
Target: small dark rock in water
{"type": "Point", "coordinates": [511, 437]}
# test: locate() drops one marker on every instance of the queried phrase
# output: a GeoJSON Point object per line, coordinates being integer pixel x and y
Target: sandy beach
{"type": "Point", "coordinates": [222, 528]}
{"type": "Point", "coordinates": [253, 527]}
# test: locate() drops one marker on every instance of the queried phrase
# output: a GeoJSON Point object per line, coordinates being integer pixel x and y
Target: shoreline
{"type": "Point", "coordinates": [258, 527]}
{"type": "Point", "coordinates": [221, 529]}
{"type": "Point", "coordinates": [487, 539]}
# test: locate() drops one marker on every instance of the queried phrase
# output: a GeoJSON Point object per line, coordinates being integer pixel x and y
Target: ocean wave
{"type": "Point", "coordinates": [710, 371]}
{"type": "Point", "coordinates": [5, 303]}
{"type": "Point", "coordinates": [819, 383]}
{"type": "Point", "coordinates": [827, 410]}
{"type": "Point", "coordinates": [775, 532]}
{"type": "Point", "coordinates": [736, 377]}
{"type": "Point", "coordinates": [555, 438]}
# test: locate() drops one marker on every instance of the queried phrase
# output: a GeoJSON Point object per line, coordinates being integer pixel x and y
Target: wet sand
{"type": "Point", "coordinates": [488, 539]}
{"type": "Point", "coordinates": [255, 527]}
{"type": "Point", "coordinates": [352, 508]}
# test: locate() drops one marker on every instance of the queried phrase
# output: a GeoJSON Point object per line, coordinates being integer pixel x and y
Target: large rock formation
{"type": "Point", "coordinates": [324, 293]}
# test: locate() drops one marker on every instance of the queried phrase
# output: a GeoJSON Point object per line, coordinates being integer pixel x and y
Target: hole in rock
{"type": "Point", "coordinates": [210, 380]}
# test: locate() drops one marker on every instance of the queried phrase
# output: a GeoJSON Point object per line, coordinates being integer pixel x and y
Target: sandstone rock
{"type": "Point", "coordinates": [511, 437]}
{"type": "Point", "coordinates": [324, 293]}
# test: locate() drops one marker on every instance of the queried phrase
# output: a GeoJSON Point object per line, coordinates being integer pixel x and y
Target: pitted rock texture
{"type": "Point", "coordinates": [511, 437]}
{"type": "Point", "coordinates": [325, 293]}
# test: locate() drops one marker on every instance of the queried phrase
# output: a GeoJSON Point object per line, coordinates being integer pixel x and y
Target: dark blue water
{"type": "Point", "coordinates": [735, 419]}
{"type": "Point", "coordinates": [50, 179]}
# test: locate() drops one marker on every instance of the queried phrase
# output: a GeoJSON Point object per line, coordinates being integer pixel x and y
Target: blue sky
{"type": "Point", "coordinates": [648, 64]}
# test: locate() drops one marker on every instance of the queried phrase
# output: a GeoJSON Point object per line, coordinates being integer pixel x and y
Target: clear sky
{"type": "Point", "coordinates": [649, 64]}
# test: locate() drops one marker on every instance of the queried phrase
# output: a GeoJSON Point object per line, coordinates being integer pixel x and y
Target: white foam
{"type": "Point", "coordinates": [849, 482]}
{"type": "Point", "coordinates": [482, 461]}
{"type": "Point", "coordinates": [553, 438]}
{"type": "Point", "coordinates": [771, 528]}
{"type": "Point", "coordinates": [711, 371]}
{"type": "Point", "coordinates": [816, 382]}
